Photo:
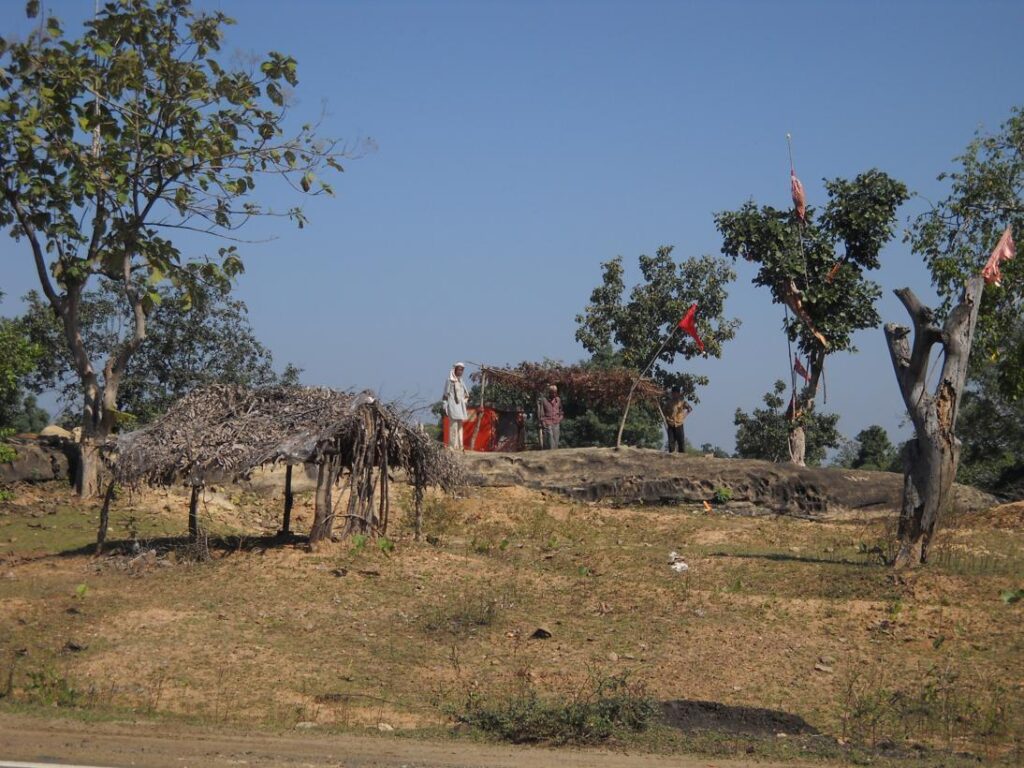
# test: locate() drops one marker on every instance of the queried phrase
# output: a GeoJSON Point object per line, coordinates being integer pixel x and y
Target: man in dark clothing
{"type": "Point", "coordinates": [549, 410]}
{"type": "Point", "coordinates": [676, 411]}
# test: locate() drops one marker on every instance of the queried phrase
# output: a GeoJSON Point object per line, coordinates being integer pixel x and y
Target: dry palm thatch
{"type": "Point", "coordinates": [222, 432]}
{"type": "Point", "coordinates": [594, 386]}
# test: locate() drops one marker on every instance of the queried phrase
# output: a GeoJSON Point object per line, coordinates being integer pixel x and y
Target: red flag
{"type": "Point", "coordinates": [799, 368]}
{"type": "Point", "coordinates": [1004, 251]}
{"type": "Point", "coordinates": [799, 199]}
{"type": "Point", "coordinates": [688, 325]}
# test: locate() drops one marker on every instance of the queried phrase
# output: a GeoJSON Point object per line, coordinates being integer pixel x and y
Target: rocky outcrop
{"type": "Point", "coordinates": [639, 476]}
{"type": "Point", "coordinates": [39, 459]}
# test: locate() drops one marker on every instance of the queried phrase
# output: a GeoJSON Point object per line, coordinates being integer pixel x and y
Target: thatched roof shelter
{"type": "Point", "coordinates": [594, 386]}
{"type": "Point", "coordinates": [221, 433]}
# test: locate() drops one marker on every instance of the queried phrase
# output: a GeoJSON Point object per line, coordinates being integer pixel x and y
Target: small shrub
{"type": "Point", "coordinates": [609, 707]}
{"type": "Point", "coordinates": [359, 542]}
{"type": "Point", "coordinates": [385, 545]}
{"type": "Point", "coordinates": [722, 495]}
{"type": "Point", "coordinates": [47, 687]}
{"type": "Point", "coordinates": [464, 615]}
{"type": "Point", "coordinates": [6, 494]}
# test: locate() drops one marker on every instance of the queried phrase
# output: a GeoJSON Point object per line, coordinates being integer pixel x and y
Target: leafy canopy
{"type": "Point", "coordinates": [138, 128]}
{"type": "Point", "coordinates": [634, 327]}
{"type": "Point", "coordinates": [957, 235]}
{"type": "Point", "coordinates": [18, 358]}
{"type": "Point", "coordinates": [860, 216]}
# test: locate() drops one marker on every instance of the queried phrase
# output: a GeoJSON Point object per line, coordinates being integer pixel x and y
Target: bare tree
{"type": "Point", "coordinates": [930, 459]}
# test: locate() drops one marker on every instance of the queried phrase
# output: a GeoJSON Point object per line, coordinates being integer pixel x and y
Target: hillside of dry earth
{"type": "Point", "coordinates": [791, 623]}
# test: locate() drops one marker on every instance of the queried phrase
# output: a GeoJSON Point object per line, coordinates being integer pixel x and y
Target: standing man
{"type": "Point", "coordinates": [549, 409]}
{"type": "Point", "coordinates": [676, 411]}
{"type": "Point", "coordinates": [453, 403]}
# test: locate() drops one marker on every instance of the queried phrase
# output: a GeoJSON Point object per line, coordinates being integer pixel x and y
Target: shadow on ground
{"type": "Point", "coordinates": [688, 715]}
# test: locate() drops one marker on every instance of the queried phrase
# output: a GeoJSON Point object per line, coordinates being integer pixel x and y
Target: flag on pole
{"type": "Point", "coordinates": [689, 325]}
{"type": "Point", "coordinates": [799, 368]}
{"type": "Point", "coordinates": [799, 198]}
{"type": "Point", "coordinates": [1004, 251]}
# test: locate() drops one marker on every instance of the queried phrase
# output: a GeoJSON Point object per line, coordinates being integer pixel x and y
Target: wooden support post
{"type": "Point", "coordinates": [323, 518]}
{"type": "Point", "coordinates": [193, 514]}
{"type": "Point", "coordinates": [101, 534]}
{"type": "Point", "coordinates": [419, 515]}
{"type": "Point", "coordinates": [289, 499]}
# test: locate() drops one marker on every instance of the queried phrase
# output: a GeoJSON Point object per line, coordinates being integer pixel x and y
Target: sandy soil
{"type": "Point", "coordinates": [148, 745]}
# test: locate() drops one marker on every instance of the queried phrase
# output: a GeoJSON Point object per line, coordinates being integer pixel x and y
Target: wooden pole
{"type": "Point", "coordinates": [101, 534]}
{"type": "Point", "coordinates": [632, 389]}
{"type": "Point", "coordinates": [479, 413]}
{"type": "Point", "coordinates": [286, 524]}
{"type": "Point", "coordinates": [193, 514]}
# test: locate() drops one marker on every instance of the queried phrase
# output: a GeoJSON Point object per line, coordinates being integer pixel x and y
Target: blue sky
{"type": "Point", "coordinates": [520, 144]}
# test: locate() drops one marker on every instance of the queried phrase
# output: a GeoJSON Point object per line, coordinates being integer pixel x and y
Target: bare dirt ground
{"type": "Point", "coordinates": [144, 745]}
{"type": "Point", "coordinates": [401, 638]}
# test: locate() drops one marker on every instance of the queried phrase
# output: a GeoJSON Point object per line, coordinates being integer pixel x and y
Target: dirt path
{"type": "Point", "coordinates": [147, 745]}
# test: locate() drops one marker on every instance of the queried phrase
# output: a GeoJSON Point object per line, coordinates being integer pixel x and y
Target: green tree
{"type": "Point", "coordinates": [874, 450]}
{"type": "Point", "coordinates": [955, 237]}
{"type": "Point", "coordinates": [957, 234]}
{"type": "Point", "coordinates": [111, 142]}
{"type": "Point", "coordinates": [827, 293]}
{"type": "Point", "coordinates": [635, 327]}
{"type": "Point", "coordinates": [193, 339]}
{"type": "Point", "coordinates": [18, 358]}
{"type": "Point", "coordinates": [764, 433]}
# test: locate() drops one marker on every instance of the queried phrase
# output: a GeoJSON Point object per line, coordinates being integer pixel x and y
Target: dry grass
{"type": "Point", "coordinates": [790, 615]}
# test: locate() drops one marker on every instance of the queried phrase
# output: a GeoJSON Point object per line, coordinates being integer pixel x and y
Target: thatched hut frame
{"type": "Point", "coordinates": [222, 433]}
{"type": "Point", "coordinates": [612, 386]}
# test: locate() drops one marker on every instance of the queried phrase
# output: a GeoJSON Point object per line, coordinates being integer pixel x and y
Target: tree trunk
{"type": "Point", "coordinates": [797, 444]}
{"type": "Point", "coordinates": [930, 459]}
{"type": "Point", "coordinates": [87, 475]}
{"type": "Point", "coordinates": [193, 514]}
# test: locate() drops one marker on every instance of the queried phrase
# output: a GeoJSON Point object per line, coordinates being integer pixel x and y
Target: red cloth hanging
{"type": "Point", "coordinates": [689, 325]}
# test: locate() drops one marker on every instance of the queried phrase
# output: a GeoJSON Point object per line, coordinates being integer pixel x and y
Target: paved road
{"type": "Point", "coordinates": [32, 741]}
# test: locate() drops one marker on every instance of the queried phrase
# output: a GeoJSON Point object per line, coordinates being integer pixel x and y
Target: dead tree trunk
{"type": "Point", "coordinates": [930, 459]}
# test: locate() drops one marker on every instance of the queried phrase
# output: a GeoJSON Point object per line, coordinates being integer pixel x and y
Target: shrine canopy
{"type": "Point", "coordinates": [601, 387]}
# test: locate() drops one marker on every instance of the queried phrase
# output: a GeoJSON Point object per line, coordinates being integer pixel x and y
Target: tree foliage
{"type": "Point", "coordinates": [634, 327]}
{"type": "Point", "coordinates": [801, 263]}
{"type": "Point", "coordinates": [194, 339]}
{"type": "Point", "coordinates": [874, 450]}
{"type": "Point", "coordinates": [19, 356]}
{"type": "Point", "coordinates": [956, 236]}
{"type": "Point", "coordinates": [113, 143]}
{"type": "Point", "coordinates": [764, 433]}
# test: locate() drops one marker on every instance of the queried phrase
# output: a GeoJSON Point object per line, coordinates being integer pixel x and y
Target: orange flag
{"type": "Point", "coordinates": [1004, 251]}
{"type": "Point", "coordinates": [689, 325]}
{"type": "Point", "coordinates": [799, 198]}
{"type": "Point", "coordinates": [800, 370]}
